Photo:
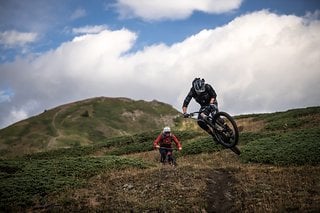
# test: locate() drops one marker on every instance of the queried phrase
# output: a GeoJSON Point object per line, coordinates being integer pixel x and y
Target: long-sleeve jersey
{"type": "Point", "coordinates": [166, 140]}
{"type": "Point", "coordinates": [203, 98]}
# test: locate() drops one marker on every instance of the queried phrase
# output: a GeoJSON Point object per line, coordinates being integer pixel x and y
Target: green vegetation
{"type": "Point", "coordinates": [85, 123]}
{"type": "Point", "coordinates": [24, 180]}
{"type": "Point", "coordinates": [294, 148]}
{"type": "Point", "coordinates": [201, 145]}
{"type": "Point", "coordinates": [120, 145]}
{"type": "Point", "coordinates": [248, 137]}
{"type": "Point", "coordinates": [291, 119]}
{"type": "Point", "coordinates": [289, 138]}
{"type": "Point", "coordinates": [106, 136]}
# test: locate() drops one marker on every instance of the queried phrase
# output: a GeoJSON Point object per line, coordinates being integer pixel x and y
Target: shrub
{"type": "Point", "coordinates": [200, 145]}
{"type": "Point", "coordinates": [21, 180]}
{"type": "Point", "coordinates": [293, 148]}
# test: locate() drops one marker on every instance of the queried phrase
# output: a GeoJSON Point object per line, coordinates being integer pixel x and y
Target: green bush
{"type": "Point", "coordinates": [21, 180]}
{"type": "Point", "coordinates": [247, 137]}
{"type": "Point", "coordinates": [201, 145]}
{"type": "Point", "coordinates": [292, 148]}
{"type": "Point", "coordinates": [76, 151]}
{"type": "Point", "coordinates": [132, 148]}
{"type": "Point", "coordinates": [290, 119]}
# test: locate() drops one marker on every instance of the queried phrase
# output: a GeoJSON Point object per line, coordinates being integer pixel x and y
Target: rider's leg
{"type": "Point", "coordinates": [202, 122]}
{"type": "Point", "coordinates": [163, 155]}
{"type": "Point", "coordinates": [204, 126]}
{"type": "Point", "coordinates": [170, 158]}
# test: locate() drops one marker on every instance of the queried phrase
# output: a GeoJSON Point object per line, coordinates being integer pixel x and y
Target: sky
{"type": "Point", "coordinates": [259, 56]}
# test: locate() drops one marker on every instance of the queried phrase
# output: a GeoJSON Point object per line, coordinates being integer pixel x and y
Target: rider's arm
{"type": "Point", "coordinates": [212, 101]}
{"type": "Point", "coordinates": [212, 93]}
{"type": "Point", "coordinates": [176, 141]}
{"type": "Point", "coordinates": [187, 101]}
{"type": "Point", "coordinates": [156, 141]}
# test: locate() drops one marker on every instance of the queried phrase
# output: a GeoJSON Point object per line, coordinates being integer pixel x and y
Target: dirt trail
{"type": "Point", "coordinates": [220, 193]}
{"type": "Point", "coordinates": [52, 142]}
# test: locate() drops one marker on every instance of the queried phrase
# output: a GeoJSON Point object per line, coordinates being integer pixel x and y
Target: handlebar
{"type": "Point", "coordinates": [192, 113]}
{"type": "Point", "coordinates": [203, 109]}
{"type": "Point", "coordinates": [167, 148]}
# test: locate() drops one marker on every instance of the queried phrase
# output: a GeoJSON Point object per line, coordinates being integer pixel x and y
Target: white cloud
{"type": "Point", "coordinates": [78, 13]}
{"type": "Point", "coordinates": [89, 29]}
{"type": "Point", "coordinates": [168, 9]}
{"type": "Point", "coordinates": [258, 62]}
{"type": "Point", "coordinates": [14, 38]}
{"type": "Point", "coordinates": [17, 114]}
{"type": "Point", "coordinates": [5, 96]}
{"type": "Point", "coordinates": [313, 15]}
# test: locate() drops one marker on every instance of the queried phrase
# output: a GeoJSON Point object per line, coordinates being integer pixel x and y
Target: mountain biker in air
{"type": "Point", "coordinates": [164, 143]}
{"type": "Point", "coordinates": [206, 96]}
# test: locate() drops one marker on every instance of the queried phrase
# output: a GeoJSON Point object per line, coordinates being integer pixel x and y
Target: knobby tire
{"type": "Point", "coordinates": [221, 138]}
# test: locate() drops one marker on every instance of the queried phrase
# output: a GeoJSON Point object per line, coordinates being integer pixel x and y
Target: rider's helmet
{"type": "Point", "coordinates": [198, 85]}
{"type": "Point", "coordinates": [166, 129]}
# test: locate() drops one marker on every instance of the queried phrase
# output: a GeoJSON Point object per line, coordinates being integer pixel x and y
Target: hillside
{"type": "Point", "coordinates": [85, 122]}
{"type": "Point", "coordinates": [277, 171]}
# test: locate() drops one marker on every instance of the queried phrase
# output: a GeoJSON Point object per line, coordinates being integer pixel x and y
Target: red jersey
{"type": "Point", "coordinates": [166, 140]}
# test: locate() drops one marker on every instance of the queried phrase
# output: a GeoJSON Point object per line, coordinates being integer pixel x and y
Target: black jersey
{"type": "Point", "coordinates": [203, 98]}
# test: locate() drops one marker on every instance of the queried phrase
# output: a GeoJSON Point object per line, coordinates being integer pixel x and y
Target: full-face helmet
{"type": "Point", "coordinates": [198, 85]}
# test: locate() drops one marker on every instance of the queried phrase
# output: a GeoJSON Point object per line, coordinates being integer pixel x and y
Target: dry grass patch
{"type": "Point", "coordinates": [161, 188]}
{"type": "Point", "coordinates": [250, 124]}
{"type": "Point", "coordinates": [273, 189]}
{"type": "Point", "coordinates": [216, 182]}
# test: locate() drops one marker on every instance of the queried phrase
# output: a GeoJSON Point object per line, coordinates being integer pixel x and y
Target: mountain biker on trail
{"type": "Point", "coordinates": [164, 143]}
{"type": "Point", "coordinates": [206, 96]}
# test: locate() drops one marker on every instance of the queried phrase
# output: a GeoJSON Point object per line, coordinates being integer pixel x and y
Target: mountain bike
{"type": "Point", "coordinates": [168, 157]}
{"type": "Point", "coordinates": [222, 128]}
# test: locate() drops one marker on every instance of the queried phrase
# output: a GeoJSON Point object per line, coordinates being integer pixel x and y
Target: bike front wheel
{"type": "Point", "coordinates": [225, 129]}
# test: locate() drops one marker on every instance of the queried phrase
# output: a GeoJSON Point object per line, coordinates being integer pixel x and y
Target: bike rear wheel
{"type": "Point", "coordinates": [225, 130]}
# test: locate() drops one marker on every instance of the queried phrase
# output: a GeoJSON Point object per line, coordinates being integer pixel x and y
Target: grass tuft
{"type": "Point", "coordinates": [22, 180]}
{"type": "Point", "coordinates": [293, 148]}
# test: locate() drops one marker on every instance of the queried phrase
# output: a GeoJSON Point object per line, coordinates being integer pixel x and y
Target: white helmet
{"type": "Point", "coordinates": [166, 129]}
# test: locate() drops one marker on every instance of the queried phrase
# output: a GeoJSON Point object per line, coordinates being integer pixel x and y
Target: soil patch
{"type": "Point", "coordinates": [160, 189]}
{"type": "Point", "coordinates": [220, 192]}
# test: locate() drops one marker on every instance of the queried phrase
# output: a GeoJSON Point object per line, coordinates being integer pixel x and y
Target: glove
{"type": "Point", "coordinates": [211, 108]}
{"type": "Point", "coordinates": [185, 115]}
{"type": "Point", "coordinates": [214, 106]}
{"type": "Point", "coordinates": [180, 148]}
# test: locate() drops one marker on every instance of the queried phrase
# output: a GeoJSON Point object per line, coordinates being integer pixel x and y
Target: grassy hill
{"type": "Point", "coordinates": [278, 169]}
{"type": "Point", "coordinates": [85, 122]}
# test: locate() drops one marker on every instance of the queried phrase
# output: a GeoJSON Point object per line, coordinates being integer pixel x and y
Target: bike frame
{"type": "Point", "coordinates": [203, 116]}
{"type": "Point", "coordinates": [214, 125]}
{"type": "Point", "coordinates": [172, 156]}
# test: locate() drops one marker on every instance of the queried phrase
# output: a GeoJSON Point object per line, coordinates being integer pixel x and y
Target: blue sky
{"type": "Point", "coordinates": [53, 24]}
{"type": "Point", "coordinates": [252, 52]}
